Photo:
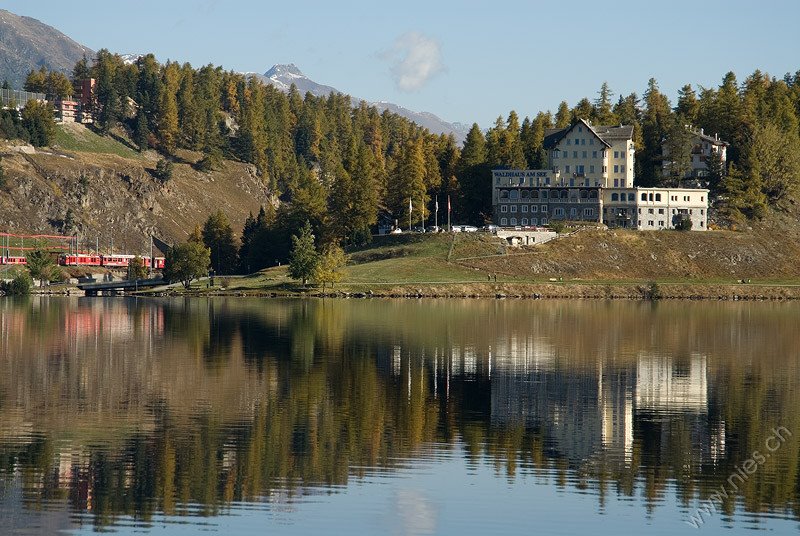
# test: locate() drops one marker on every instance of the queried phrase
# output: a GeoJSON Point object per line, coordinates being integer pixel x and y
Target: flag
{"type": "Point", "coordinates": [437, 204]}
{"type": "Point", "coordinates": [410, 206]}
{"type": "Point", "coordinates": [448, 203]}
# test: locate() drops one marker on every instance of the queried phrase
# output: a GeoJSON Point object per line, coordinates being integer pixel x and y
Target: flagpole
{"type": "Point", "coordinates": [410, 209]}
{"type": "Point", "coordinates": [436, 215]}
{"type": "Point", "coordinates": [449, 227]}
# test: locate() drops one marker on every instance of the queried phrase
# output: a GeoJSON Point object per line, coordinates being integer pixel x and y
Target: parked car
{"type": "Point", "coordinates": [469, 228]}
{"type": "Point", "coordinates": [490, 228]}
{"type": "Point", "coordinates": [432, 229]}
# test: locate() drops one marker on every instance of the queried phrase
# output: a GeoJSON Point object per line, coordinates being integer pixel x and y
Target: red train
{"type": "Point", "coordinates": [114, 260]}
{"type": "Point", "coordinates": [13, 260]}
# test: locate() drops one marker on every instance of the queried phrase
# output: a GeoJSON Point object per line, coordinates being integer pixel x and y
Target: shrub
{"type": "Point", "coordinates": [19, 286]}
{"type": "Point", "coordinates": [684, 224]}
{"type": "Point", "coordinates": [164, 170]}
{"type": "Point", "coordinates": [653, 291]}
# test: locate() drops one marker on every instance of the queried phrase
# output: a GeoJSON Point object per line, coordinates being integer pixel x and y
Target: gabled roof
{"type": "Point", "coordinates": [710, 139]}
{"type": "Point", "coordinates": [552, 136]}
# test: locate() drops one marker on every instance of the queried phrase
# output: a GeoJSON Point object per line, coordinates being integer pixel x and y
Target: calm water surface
{"type": "Point", "coordinates": [245, 416]}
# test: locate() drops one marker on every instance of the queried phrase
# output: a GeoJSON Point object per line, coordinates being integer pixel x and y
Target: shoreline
{"type": "Point", "coordinates": [543, 291]}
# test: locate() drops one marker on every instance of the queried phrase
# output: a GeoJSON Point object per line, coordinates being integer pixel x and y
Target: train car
{"type": "Point", "coordinates": [13, 261]}
{"type": "Point", "coordinates": [158, 263]}
{"type": "Point", "coordinates": [116, 260]}
{"type": "Point", "coordinates": [80, 259]}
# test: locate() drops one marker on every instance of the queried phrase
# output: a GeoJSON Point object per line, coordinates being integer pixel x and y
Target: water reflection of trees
{"type": "Point", "coordinates": [125, 407]}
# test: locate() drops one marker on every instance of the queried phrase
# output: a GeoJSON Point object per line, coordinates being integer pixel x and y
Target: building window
{"type": "Point", "coordinates": [514, 194]}
{"type": "Point", "coordinates": [616, 154]}
{"type": "Point", "coordinates": [644, 197]}
{"type": "Point", "coordinates": [615, 197]}
{"type": "Point", "coordinates": [591, 169]}
{"type": "Point", "coordinates": [524, 221]}
{"type": "Point", "coordinates": [544, 221]}
{"type": "Point", "coordinates": [584, 154]}
{"type": "Point", "coordinates": [631, 197]}
{"type": "Point", "coordinates": [658, 197]}
{"type": "Point", "coordinates": [503, 221]}
{"type": "Point", "coordinates": [588, 212]}
{"type": "Point", "coordinates": [650, 211]}
{"type": "Point", "coordinates": [580, 129]}
{"type": "Point", "coordinates": [574, 154]}
{"type": "Point", "coordinates": [533, 221]}
{"type": "Point", "coordinates": [579, 169]}
{"type": "Point", "coordinates": [661, 223]}
{"type": "Point", "coordinates": [616, 168]}
{"type": "Point", "coordinates": [513, 208]}
{"type": "Point", "coordinates": [524, 208]}
{"type": "Point", "coordinates": [702, 212]}
{"type": "Point", "coordinates": [573, 212]}
{"type": "Point", "coordinates": [616, 182]}
{"type": "Point", "coordinates": [569, 141]}
{"type": "Point", "coordinates": [534, 208]}
{"type": "Point", "coordinates": [605, 169]}
{"type": "Point", "coordinates": [594, 154]}
{"type": "Point", "coordinates": [567, 169]}
{"type": "Point", "coordinates": [544, 194]}
{"type": "Point", "coordinates": [650, 197]}
{"type": "Point", "coordinates": [591, 142]}
{"type": "Point", "coordinates": [583, 142]}
{"type": "Point", "coordinates": [650, 223]}
{"type": "Point", "coordinates": [563, 154]}
{"type": "Point", "coordinates": [544, 208]}
{"type": "Point", "coordinates": [504, 208]}
{"type": "Point", "coordinates": [513, 221]}
{"type": "Point", "coordinates": [558, 212]}
{"type": "Point", "coordinates": [661, 211]}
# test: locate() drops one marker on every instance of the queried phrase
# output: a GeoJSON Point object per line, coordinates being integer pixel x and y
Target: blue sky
{"type": "Point", "coordinates": [464, 61]}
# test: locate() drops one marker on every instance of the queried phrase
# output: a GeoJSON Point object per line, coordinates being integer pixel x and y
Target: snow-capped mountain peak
{"type": "Point", "coordinates": [283, 76]}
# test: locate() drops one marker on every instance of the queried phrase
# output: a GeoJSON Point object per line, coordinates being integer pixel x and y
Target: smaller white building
{"type": "Point", "coordinates": [703, 146]}
{"type": "Point", "coordinates": [650, 209]}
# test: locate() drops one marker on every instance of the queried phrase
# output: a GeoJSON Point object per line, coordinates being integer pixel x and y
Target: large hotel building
{"type": "Point", "coordinates": [591, 179]}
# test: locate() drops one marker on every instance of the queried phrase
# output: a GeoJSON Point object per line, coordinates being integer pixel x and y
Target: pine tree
{"type": "Point", "coordinates": [408, 183]}
{"type": "Point", "coordinates": [168, 109]}
{"type": "Point", "coordinates": [688, 106]}
{"type": "Point", "coordinates": [475, 178]}
{"type": "Point", "coordinates": [603, 113]}
{"type": "Point", "coordinates": [583, 110]}
{"type": "Point", "coordinates": [218, 237]}
{"type": "Point", "coordinates": [656, 121]}
{"type": "Point", "coordinates": [304, 258]}
{"type": "Point", "coordinates": [563, 115]}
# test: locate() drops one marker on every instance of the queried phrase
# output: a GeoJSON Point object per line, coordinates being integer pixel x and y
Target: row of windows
{"type": "Point", "coordinates": [524, 208]}
{"type": "Point", "coordinates": [544, 194]}
{"type": "Point", "coordinates": [621, 197]}
{"type": "Point", "coordinates": [581, 141]}
{"type": "Point", "coordinates": [675, 211]}
{"type": "Point", "coordinates": [559, 212]}
{"type": "Point", "coordinates": [523, 221]}
{"type": "Point", "coordinates": [585, 154]}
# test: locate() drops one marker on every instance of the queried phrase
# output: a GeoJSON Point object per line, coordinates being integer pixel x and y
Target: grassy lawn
{"type": "Point", "coordinates": [80, 139]}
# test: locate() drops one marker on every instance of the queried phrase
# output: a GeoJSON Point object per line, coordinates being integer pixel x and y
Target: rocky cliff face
{"type": "Point", "coordinates": [117, 198]}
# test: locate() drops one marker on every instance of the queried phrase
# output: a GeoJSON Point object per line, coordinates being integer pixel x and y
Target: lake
{"type": "Point", "coordinates": [244, 416]}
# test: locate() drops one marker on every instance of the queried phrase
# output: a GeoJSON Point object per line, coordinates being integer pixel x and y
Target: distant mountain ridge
{"type": "Point", "coordinates": [282, 76]}
{"type": "Point", "coordinates": [26, 44]}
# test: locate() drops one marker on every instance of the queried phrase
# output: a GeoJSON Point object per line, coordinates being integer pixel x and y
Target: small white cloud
{"type": "Point", "coordinates": [415, 58]}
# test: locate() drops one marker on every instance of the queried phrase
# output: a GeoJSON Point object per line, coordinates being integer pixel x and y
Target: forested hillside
{"type": "Point", "coordinates": [343, 167]}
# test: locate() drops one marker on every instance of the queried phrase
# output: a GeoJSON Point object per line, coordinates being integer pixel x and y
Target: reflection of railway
{"type": "Point", "coordinates": [114, 260]}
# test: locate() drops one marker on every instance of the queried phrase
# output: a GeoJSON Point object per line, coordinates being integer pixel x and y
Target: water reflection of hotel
{"type": "Point", "coordinates": [589, 410]}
